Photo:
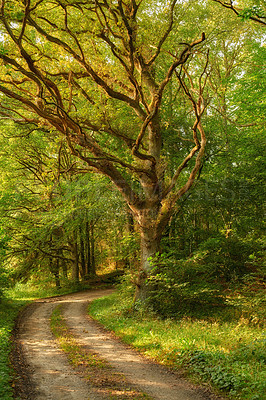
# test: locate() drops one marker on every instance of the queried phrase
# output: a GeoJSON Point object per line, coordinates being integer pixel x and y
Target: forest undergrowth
{"type": "Point", "coordinates": [220, 343]}
{"type": "Point", "coordinates": [224, 349]}
{"type": "Point", "coordinates": [8, 312]}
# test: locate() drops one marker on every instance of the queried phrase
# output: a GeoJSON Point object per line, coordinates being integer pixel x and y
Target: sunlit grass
{"type": "Point", "coordinates": [34, 291]}
{"type": "Point", "coordinates": [229, 355]}
{"type": "Point", "coordinates": [8, 313]}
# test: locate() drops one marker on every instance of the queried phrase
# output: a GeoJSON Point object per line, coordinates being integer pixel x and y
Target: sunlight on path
{"type": "Point", "coordinates": [152, 379]}
{"type": "Point", "coordinates": [52, 375]}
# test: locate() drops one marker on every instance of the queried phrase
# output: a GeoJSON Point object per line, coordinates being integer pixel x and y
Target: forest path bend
{"type": "Point", "coordinates": [50, 375]}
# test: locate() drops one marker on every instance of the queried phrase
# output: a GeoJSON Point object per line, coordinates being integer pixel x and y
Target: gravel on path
{"type": "Point", "coordinates": [45, 372]}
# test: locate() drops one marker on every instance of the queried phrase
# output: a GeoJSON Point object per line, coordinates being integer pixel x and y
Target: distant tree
{"type": "Point", "coordinates": [49, 208]}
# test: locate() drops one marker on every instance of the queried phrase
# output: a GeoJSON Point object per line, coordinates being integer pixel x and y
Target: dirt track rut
{"type": "Point", "coordinates": [46, 373]}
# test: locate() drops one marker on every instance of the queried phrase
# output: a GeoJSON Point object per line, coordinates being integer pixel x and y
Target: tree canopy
{"type": "Point", "coordinates": [135, 90]}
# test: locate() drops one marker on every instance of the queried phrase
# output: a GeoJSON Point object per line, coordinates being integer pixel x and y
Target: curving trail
{"type": "Point", "coordinates": [46, 374]}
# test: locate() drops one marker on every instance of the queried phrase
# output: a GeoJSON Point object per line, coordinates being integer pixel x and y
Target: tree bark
{"type": "Point", "coordinates": [92, 250]}
{"type": "Point", "coordinates": [150, 240]}
{"type": "Point", "coordinates": [56, 275]}
{"type": "Point", "coordinates": [75, 262]}
{"type": "Point", "coordinates": [88, 250]}
{"type": "Point", "coordinates": [82, 255]}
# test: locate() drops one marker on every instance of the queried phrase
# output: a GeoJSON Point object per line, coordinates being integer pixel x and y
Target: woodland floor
{"type": "Point", "coordinates": [43, 371]}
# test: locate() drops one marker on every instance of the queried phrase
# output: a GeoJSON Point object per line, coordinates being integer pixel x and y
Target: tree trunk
{"type": "Point", "coordinates": [54, 268]}
{"type": "Point", "coordinates": [75, 263]}
{"type": "Point", "coordinates": [64, 269]}
{"type": "Point", "coordinates": [149, 247]}
{"type": "Point", "coordinates": [56, 275]}
{"type": "Point", "coordinates": [92, 243]}
{"type": "Point", "coordinates": [82, 255]}
{"type": "Point", "coordinates": [88, 250]}
{"type": "Point", "coordinates": [130, 221]}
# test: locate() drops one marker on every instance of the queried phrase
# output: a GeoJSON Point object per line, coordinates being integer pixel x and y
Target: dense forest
{"type": "Point", "coordinates": [132, 140]}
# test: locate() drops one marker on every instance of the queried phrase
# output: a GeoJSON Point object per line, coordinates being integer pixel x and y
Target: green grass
{"type": "Point", "coordinates": [229, 355]}
{"type": "Point", "coordinates": [69, 345]}
{"type": "Point", "coordinates": [8, 313]}
{"type": "Point", "coordinates": [34, 291]}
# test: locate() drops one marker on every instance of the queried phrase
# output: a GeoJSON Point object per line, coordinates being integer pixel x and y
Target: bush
{"type": "Point", "coordinates": [4, 281]}
{"type": "Point", "coordinates": [178, 287]}
{"type": "Point", "coordinates": [185, 286]}
{"type": "Point", "coordinates": [229, 259]}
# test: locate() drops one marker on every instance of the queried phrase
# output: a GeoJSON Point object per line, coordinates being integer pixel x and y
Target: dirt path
{"type": "Point", "coordinates": [45, 372]}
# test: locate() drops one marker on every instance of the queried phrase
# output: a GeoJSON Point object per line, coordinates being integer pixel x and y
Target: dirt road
{"type": "Point", "coordinates": [44, 371]}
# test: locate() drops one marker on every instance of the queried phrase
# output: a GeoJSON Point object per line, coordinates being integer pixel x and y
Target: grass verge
{"type": "Point", "coordinates": [230, 356]}
{"type": "Point", "coordinates": [98, 372]}
{"type": "Point", "coordinates": [33, 292]}
{"type": "Point", "coordinates": [8, 312]}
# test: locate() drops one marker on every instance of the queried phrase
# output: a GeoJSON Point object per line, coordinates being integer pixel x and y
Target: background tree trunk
{"type": "Point", "coordinates": [82, 254]}
{"type": "Point", "coordinates": [75, 262]}
{"type": "Point", "coordinates": [88, 250]}
{"type": "Point", "coordinates": [92, 250]}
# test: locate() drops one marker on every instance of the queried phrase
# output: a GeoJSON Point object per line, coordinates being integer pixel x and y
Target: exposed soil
{"type": "Point", "coordinates": [43, 371]}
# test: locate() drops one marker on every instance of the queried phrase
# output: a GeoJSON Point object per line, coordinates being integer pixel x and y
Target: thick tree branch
{"type": "Point", "coordinates": [158, 97]}
{"type": "Point", "coordinates": [254, 16]}
{"type": "Point", "coordinates": [166, 34]}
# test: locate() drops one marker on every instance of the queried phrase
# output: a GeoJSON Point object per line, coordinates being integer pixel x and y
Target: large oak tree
{"type": "Point", "coordinates": [102, 74]}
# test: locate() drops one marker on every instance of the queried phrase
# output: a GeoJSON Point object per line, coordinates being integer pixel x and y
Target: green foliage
{"type": "Point", "coordinates": [214, 367]}
{"type": "Point", "coordinates": [227, 258]}
{"type": "Point", "coordinates": [3, 51]}
{"type": "Point", "coordinates": [46, 211]}
{"type": "Point", "coordinates": [248, 12]}
{"type": "Point", "coordinates": [197, 284]}
{"type": "Point", "coordinates": [4, 281]}
{"type": "Point", "coordinates": [49, 196]}
{"type": "Point", "coordinates": [4, 278]}
{"type": "Point", "coordinates": [8, 313]}
{"type": "Point", "coordinates": [177, 287]}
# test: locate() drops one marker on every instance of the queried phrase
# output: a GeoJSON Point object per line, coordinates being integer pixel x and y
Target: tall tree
{"type": "Point", "coordinates": [48, 207]}
{"type": "Point", "coordinates": [103, 74]}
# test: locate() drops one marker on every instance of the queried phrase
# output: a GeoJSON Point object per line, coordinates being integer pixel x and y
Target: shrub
{"type": "Point", "coordinates": [228, 259]}
{"type": "Point", "coordinates": [4, 281]}
{"type": "Point", "coordinates": [178, 287]}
